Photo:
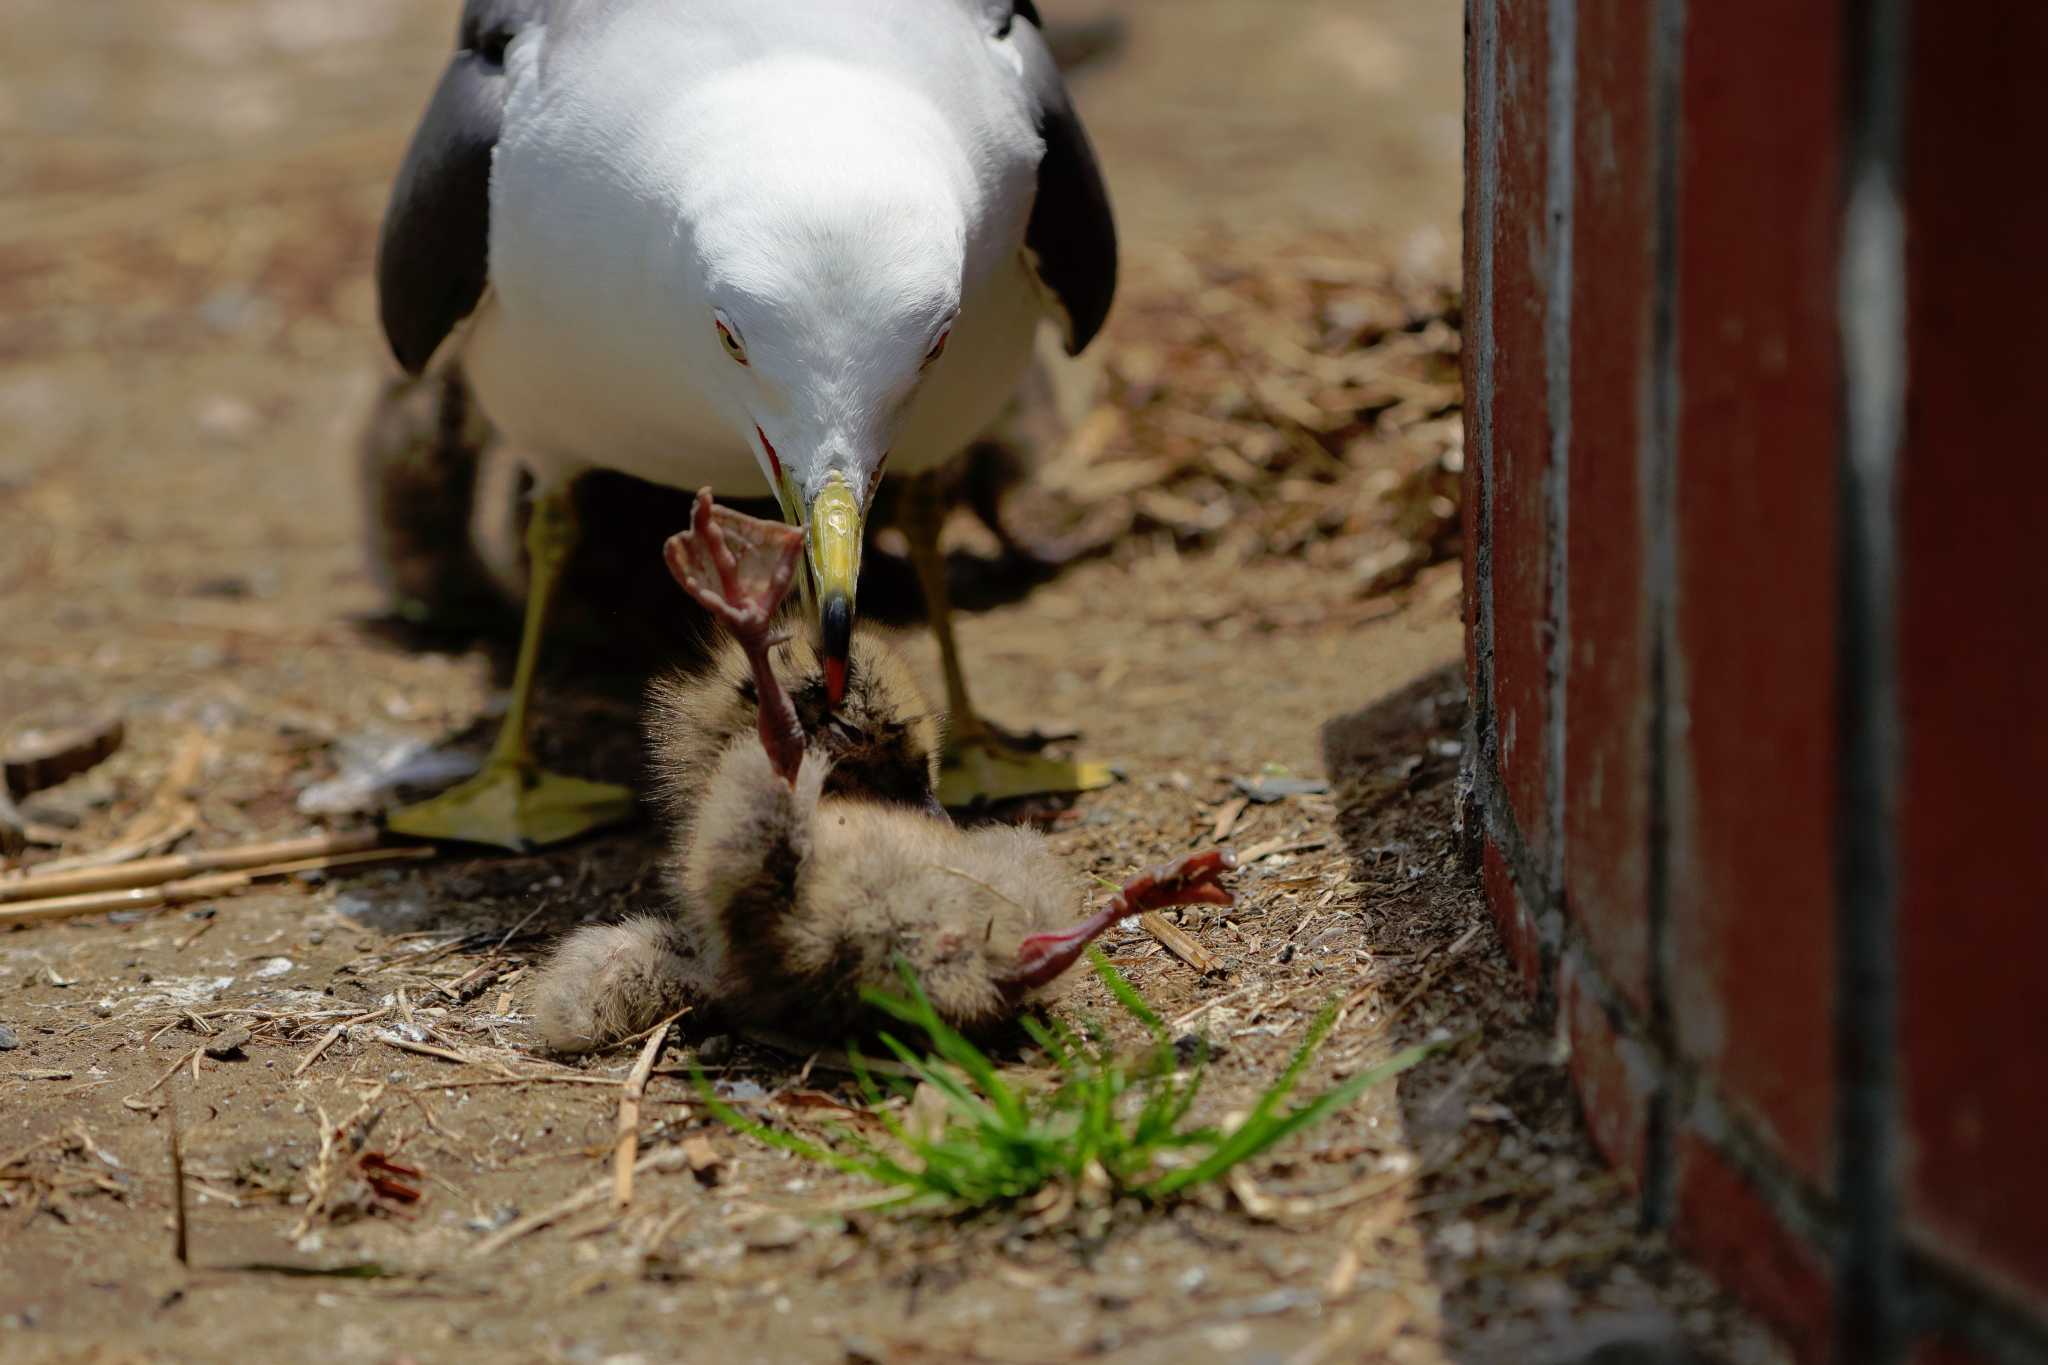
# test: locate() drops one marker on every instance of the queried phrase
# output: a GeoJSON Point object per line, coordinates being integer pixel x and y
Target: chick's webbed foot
{"type": "Point", "coordinates": [1193, 880]}
{"type": "Point", "coordinates": [739, 568]}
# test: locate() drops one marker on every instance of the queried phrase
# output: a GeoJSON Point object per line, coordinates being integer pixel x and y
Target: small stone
{"type": "Point", "coordinates": [228, 1044]}
{"type": "Point", "coordinates": [715, 1050]}
{"type": "Point", "coordinates": [9, 1039]}
{"type": "Point", "coordinates": [703, 1158]}
{"type": "Point", "coordinates": [777, 1232]}
{"type": "Point", "coordinates": [1267, 790]}
{"type": "Point", "coordinates": [228, 587]}
{"type": "Point", "coordinates": [103, 1009]}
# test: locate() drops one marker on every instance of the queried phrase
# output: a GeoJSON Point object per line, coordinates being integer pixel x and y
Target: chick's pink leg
{"type": "Point", "coordinates": [739, 568]}
{"type": "Point", "coordinates": [1193, 880]}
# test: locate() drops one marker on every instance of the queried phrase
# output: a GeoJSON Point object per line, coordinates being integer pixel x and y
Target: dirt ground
{"type": "Point", "coordinates": [187, 207]}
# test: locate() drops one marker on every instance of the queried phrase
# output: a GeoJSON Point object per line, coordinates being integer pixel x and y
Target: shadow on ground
{"type": "Point", "coordinates": [1506, 1177]}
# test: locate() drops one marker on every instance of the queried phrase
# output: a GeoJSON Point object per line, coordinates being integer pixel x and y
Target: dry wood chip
{"type": "Point", "coordinates": [225, 1045]}
{"type": "Point", "coordinates": [705, 1162]}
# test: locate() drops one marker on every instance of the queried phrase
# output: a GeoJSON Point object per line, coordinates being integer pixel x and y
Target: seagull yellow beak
{"type": "Point", "coordinates": [832, 537]}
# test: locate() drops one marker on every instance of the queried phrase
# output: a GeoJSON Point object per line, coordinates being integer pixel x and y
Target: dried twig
{"type": "Point", "coordinates": [1267, 1208]}
{"type": "Point", "coordinates": [134, 1101]}
{"type": "Point", "coordinates": [41, 884]}
{"type": "Point", "coordinates": [628, 1149]}
{"type": "Point", "coordinates": [1227, 818]}
{"type": "Point", "coordinates": [444, 1053]}
{"type": "Point", "coordinates": [321, 1176]}
{"type": "Point", "coordinates": [180, 1244]}
{"type": "Point", "coordinates": [1198, 1011]}
{"type": "Point", "coordinates": [151, 832]}
{"type": "Point", "coordinates": [531, 1078]}
{"type": "Point", "coordinates": [668, 1159]}
{"type": "Point", "coordinates": [1274, 847]}
{"type": "Point", "coordinates": [168, 816]}
{"type": "Point", "coordinates": [1178, 942]}
{"type": "Point", "coordinates": [189, 939]}
{"type": "Point", "coordinates": [1428, 980]}
{"type": "Point", "coordinates": [332, 1036]}
{"type": "Point", "coordinates": [194, 888]}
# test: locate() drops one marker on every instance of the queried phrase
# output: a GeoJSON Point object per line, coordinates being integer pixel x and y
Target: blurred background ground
{"type": "Point", "coordinates": [188, 201]}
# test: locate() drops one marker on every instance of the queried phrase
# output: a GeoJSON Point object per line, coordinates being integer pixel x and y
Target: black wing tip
{"type": "Point", "coordinates": [1082, 332]}
{"type": "Point", "coordinates": [433, 248]}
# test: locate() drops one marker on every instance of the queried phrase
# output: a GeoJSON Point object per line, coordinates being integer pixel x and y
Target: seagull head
{"type": "Point", "coordinates": [833, 256]}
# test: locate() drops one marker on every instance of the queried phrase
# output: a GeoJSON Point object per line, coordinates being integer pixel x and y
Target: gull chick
{"type": "Point", "coordinates": [795, 896]}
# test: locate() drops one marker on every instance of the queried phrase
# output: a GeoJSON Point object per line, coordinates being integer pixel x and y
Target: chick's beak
{"type": "Point", "coordinates": [832, 533]}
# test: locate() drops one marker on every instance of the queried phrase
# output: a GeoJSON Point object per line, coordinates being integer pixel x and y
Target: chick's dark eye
{"type": "Point", "coordinates": [938, 347]}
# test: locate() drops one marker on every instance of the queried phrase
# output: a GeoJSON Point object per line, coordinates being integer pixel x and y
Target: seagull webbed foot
{"type": "Point", "coordinates": [985, 766]}
{"type": "Point", "coordinates": [515, 805]}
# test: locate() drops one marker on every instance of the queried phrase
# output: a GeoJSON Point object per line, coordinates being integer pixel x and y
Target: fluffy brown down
{"type": "Point", "coordinates": [883, 739]}
{"type": "Point", "coordinates": [605, 982]}
{"type": "Point", "coordinates": [610, 981]}
{"type": "Point", "coordinates": [798, 899]}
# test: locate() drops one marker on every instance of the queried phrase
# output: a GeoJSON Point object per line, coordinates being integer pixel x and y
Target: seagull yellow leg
{"type": "Point", "coordinates": [980, 764]}
{"type": "Point", "coordinates": [512, 803]}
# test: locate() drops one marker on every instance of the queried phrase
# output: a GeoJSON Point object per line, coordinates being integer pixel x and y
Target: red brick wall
{"type": "Point", "coordinates": [1758, 629]}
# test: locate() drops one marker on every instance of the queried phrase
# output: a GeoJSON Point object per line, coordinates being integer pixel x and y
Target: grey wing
{"type": "Point", "coordinates": [1072, 235]}
{"type": "Point", "coordinates": [433, 255]}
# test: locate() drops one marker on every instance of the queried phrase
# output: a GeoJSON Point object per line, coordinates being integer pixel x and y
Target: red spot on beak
{"type": "Point", "coordinates": [835, 682]}
{"type": "Point", "coordinates": [774, 463]}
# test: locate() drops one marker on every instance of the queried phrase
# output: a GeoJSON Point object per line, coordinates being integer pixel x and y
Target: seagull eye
{"type": "Point", "coordinates": [730, 339]}
{"type": "Point", "coordinates": [938, 347]}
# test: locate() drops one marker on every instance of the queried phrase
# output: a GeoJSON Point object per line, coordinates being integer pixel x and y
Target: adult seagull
{"type": "Point", "coordinates": [704, 241]}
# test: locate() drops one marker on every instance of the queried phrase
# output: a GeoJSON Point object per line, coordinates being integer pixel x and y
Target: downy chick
{"type": "Point", "coordinates": [606, 982]}
{"type": "Point", "coordinates": [795, 898]}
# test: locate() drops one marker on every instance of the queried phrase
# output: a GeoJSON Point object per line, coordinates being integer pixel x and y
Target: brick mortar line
{"type": "Point", "coordinates": [1483, 17]}
{"type": "Point", "coordinates": [1955, 1301]}
{"type": "Point", "coordinates": [1481, 766]}
{"type": "Point", "coordinates": [1871, 1322]}
{"type": "Point", "coordinates": [1526, 871]}
{"type": "Point", "coordinates": [1944, 1295]}
{"type": "Point", "coordinates": [1799, 1208]}
{"type": "Point", "coordinates": [1658, 468]}
{"type": "Point", "coordinates": [1560, 195]}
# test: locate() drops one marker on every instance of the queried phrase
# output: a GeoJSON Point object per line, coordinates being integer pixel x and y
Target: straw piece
{"type": "Point", "coordinates": [1178, 942]}
{"type": "Point", "coordinates": [628, 1149]}
{"type": "Point", "coordinates": [43, 911]}
{"type": "Point", "coordinates": [668, 1159]}
{"type": "Point", "coordinates": [176, 866]}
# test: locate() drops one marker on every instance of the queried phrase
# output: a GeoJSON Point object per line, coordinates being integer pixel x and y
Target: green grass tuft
{"type": "Point", "coordinates": [1110, 1122]}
